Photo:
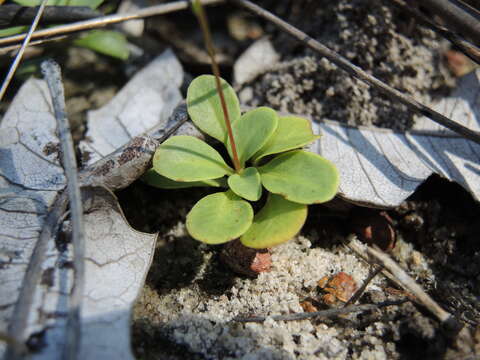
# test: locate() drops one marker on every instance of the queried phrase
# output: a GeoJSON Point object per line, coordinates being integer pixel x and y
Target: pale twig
{"type": "Point", "coordinates": [107, 20]}
{"type": "Point", "coordinates": [469, 49]}
{"type": "Point", "coordinates": [462, 17]}
{"type": "Point", "coordinates": [321, 314]}
{"type": "Point", "coordinates": [18, 58]}
{"type": "Point", "coordinates": [23, 307]}
{"type": "Point", "coordinates": [360, 74]}
{"type": "Point", "coordinates": [395, 273]}
{"type": "Point", "coordinates": [6, 49]}
{"type": "Point", "coordinates": [353, 244]}
{"type": "Point", "coordinates": [373, 272]}
{"type": "Point", "coordinates": [52, 74]}
{"type": "Point", "coordinates": [409, 284]}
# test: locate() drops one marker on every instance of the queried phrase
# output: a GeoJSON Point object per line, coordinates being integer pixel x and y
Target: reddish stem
{"type": "Point", "coordinates": [202, 19]}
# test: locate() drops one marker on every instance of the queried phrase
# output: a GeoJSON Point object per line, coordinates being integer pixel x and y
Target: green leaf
{"type": "Point", "coordinates": [301, 176]}
{"type": "Point", "coordinates": [205, 109]}
{"type": "Point", "coordinates": [13, 30]}
{"type": "Point", "coordinates": [186, 158]}
{"type": "Point", "coordinates": [111, 43]}
{"type": "Point", "coordinates": [151, 177]}
{"type": "Point", "coordinates": [90, 3]}
{"type": "Point", "coordinates": [292, 132]}
{"type": "Point", "coordinates": [277, 222]}
{"type": "Point", "coordinates": [247, 184]}
{"type": "Point", "coordinates": [219, 218]}
{"type": "Point", "coordinates": [252, 131]}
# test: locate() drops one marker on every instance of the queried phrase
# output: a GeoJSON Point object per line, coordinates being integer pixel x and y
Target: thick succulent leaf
{"type": "Point", "coordinates": [186, 158]}
{"type": "Point", "coordinates": [292, 132]}
{"type": "Point", "coordinates": [219, 218]}
{"type": "Point", "coordinates": [277, 222]}
{"type": "Point", "coordinates": [205, 109]}
{"type": "Point", "coordinates": [301, 176]}
{"type": "Point", "coordinates": [106, 42]}
{"type": "Point", "coordinates": [151, 177]}
{"type": "Point", "coordinates": [252, 131]}
{"type": "Point", "coordinates": [247, 184]}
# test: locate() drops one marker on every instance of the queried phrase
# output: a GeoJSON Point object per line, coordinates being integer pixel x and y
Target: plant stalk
{"type": "Point", "coordinates": [203, 21]}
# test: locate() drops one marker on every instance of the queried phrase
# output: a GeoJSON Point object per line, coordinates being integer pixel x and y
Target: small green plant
{"type": "Point", "coordinates": [268, 156]}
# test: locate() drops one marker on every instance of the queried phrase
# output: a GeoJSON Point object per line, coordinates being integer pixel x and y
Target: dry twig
{"type": "Point", "coordinates": [107, 20]}
{"type": "Point", "coordinates": [52, 74]}
{"type": "Point", "coordinates": [409, 284]}
{"type": "Point", "coordinates": [19, 55]}
{"type": "Point", "coordinates": [360, 74]}
{"type": "Point", "coordinates": [395, 273]}
{"type": "Point", "coordinates": [18, 322]}
{"type": "Point", "coordinates": [460, 16]}
{"type": "Point", "coordinates": [322, 314]}
{"type": "Point", "coordinates": [374, 271]}
{"type": "Point", "coordinates": [470, 50]}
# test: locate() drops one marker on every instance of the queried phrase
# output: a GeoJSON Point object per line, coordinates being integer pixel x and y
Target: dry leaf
{"type": "Point", "coordinates": [140, 107]}
{"type": "Point", "coordinates": [117, 257]}
{"type": "Point", "coordinates": [381, 168]}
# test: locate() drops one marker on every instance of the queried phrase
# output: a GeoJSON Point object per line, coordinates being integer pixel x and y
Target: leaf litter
{"type": "Point", "coordinates": [192, 316]}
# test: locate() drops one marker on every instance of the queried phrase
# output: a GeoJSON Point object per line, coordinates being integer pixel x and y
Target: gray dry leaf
{"type": "Point", "coordinates": [382, 168]}
{"type": "Point", "coordinates": [117, 257]}
{"type": "Point", "coordinates": [140, 107]}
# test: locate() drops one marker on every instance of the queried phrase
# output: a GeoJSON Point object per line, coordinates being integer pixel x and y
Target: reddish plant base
{"type": "Point", "coordinates": [244, 260]}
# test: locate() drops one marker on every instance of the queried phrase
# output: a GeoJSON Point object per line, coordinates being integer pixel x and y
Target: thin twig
{"type": "Point", "coordinates": [360, 74]}
{"type": "Point", "coordinates": [18, 58]}
{"type": "Point", "coordinates": [52, 74]}
{"type": "Point", "coordinates": [322, 314]}
{"type": "Point", "coordinates": [13, 15]}
{"type": "Point", "coordinates": [6, 49]}
{"type": "Point", "coordinates": [373, 272]}
{"type": "Point", "coordinates": [23, 307]}
{"type": "Point", "coordinates": [463, 18]}
{"type": "Point", "coordinates": [470, 50]}
{"type": "Point", "coordinates": [106, 20]}
{"type": "Point", "coordinates": [409, 284]}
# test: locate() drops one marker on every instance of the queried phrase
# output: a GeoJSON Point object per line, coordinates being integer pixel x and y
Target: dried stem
{"type": "Point", "coordinates": [23, 306]}
{"type": "Point", "coordinates": [202, 19]}
{"type": "Point", "coordinates": [409, 284]}
{"type": "Point", "coordinates": [374, 271]}
{"type": "Point", "coordinates": [52, 74]}
{"type": "Point", "coordinates": [106, 20]}
{"type": "Point", "coordinates": [19, 55]}
{"type": "Point", "coordinates": [469, 49]}
{"type": "Point", "coordinates": [458, 15]}
{"type": "Point", "coordinates": [360, 74]}
{"type": "Point", "coordinates": [321, 314]}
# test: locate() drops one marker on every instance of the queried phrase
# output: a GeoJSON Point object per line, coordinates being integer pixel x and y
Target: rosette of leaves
{"type": "Point", "coordinates": [268, 148]}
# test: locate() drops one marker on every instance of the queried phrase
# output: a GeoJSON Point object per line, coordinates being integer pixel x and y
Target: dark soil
{"type": "Point", "coordinates": [372, 35]}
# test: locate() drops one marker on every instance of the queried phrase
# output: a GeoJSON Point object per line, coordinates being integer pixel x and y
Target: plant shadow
{"type": "Point", "coordinates": [175, 264]}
